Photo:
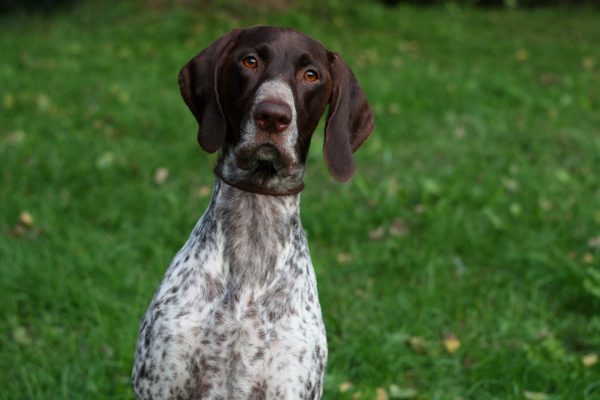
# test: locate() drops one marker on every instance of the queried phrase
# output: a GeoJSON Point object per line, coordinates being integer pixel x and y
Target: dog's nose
{"type": "Point", "coordinates": [273, 116]}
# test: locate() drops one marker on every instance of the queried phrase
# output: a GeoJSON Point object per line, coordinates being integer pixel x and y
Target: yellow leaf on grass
{"type": "Point", "coordinates": [21, 336]}
{"type": "Point", "coordinates": [399, 228]}
{"type": "Point", "coordinates": [8, 101]}
{"type": "Point", "coordinates": [451, 343]}
{"type": "Point", "coordinates": [397, 392]}
{"type": "Point", "coordinates": [381, 394]}
{"type": "Point", "coordinates": [589, 359]}
{"type": "Point", "coordinates": [26, 219]}
{"type": "Point", "coordinates": [106, 160]}
{"type": "Point", "coordinates": [343, 258]}
{"type": "Point", "coordinates": [588, 258]}
{"type": "Point", "coordinates": [203, 191]}
{"type": "Point", "coordinates": [418, 344]}
{"type": "Point", "coordinates": [43, 102]}
{"type": "Point", "coordinates": [521, 55]}
{"type": "Point", "coordinates": [594, 242]}
{"type": "Point", "coordinates": [535, 395]}
{"type": "Point", "coordinates": [377, 233]}
{"type": "Point", "coordinates": [587, 63]}
{"type": "Point", "coordinates": [161, 175]}
{"type": "Point", "coordinates": [345, 386]}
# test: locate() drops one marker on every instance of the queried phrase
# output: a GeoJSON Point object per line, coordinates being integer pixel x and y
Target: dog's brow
{"type": "Point", "coordinates": [305, 59]}
{"type": "Point", "coordinates": [263, 50]}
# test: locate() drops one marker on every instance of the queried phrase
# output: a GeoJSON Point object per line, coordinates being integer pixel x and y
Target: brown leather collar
{"type": "Point", "coordinates": [259, 190]}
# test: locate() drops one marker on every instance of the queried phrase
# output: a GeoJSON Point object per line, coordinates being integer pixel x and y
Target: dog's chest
{"type": "Point", "coordinates": [232, 320]}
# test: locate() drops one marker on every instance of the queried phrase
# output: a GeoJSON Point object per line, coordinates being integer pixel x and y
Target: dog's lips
{"type": "Point", "coordinates": [265, 156]}
{"type": "Point", "coordinates": [266, 152]}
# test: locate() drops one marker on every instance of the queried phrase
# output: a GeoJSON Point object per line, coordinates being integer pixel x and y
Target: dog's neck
{"type": "Point", "coordinates": [258, 231]}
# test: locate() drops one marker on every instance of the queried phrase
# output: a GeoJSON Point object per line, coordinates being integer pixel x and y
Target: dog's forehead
{"type": "Point", "coordinates": [286, 41]}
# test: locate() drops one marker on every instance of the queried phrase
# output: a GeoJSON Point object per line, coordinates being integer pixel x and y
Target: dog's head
{"type": "Point", "coordinates": [258, 95]}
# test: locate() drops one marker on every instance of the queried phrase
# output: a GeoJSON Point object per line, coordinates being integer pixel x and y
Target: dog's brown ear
{"type": "Point", "coordinates": [349, 122]}
{"type": "Point", "coordinates": [198, 81]}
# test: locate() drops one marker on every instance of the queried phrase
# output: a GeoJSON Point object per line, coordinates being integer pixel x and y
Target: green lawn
{"type": "Point", "coordinates": [474, 215]}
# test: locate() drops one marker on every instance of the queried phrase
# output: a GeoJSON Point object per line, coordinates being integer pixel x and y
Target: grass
{"type": "Point", "coordinates": [475, 213]}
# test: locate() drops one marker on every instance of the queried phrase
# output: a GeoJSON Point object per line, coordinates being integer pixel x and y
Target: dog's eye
{"type": "Point", "coordinates": [310, 75]}
{"type": "Point", "coordinates": [250, 62]}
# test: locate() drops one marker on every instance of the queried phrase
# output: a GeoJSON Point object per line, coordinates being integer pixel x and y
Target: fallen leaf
{"type": "Point", "coordinates": [451, 343]}
{"type": "Point", "coordinates": [161, 175]}
{"type": "Point", "coordinates": [397, 62]}
{"type": "Point", "coordinates": [459, 132]}
{"type": "Point", "coordinates": [377, 233]}
{"type": "Point", "coordinates": [587, 63]}
{"type": "Point", "coordinates": [409, 47]}
{"type": "Point", "coordinates": [521, 55]}
{"type": "Point", "coordinates": [399, 228]}
{"type": "Point", "coordinates": [343, 258]}
{"type": "Point", "coordinates": [8, 101]}
{"type": "Point", "coordinates": [588, 258]}
{"type": "Point", "coordinates": [594, 242]}
{"type": "Point", "coordinates": [21, 336]}
{"type": "Point", "coordinates": [418, 344]}
{"type": "Point", "coordinates": [545, 204]}
{"type": "Point", "coordinates": [203, 191]}
{"type": "Point", "coordinates": [589, 360]}
{"type": "Point", "coordinates": [509, 184]}
{"type": "Point", "coordinates": [378, 108]}
{"type": "Point", "coordinates": [549, 79]}
{"type": "Point", "coordinates": [15, 137]}
{"type": "Point", "coordinates": [535, 395]}
{"type": "Point", "coordinates": [393, 186]}
{"type": "Point", "coordinates": [381, 394]}
{"type": "Point", "coordinates": [43, 102]}
{"type": "Point", "coordinates": [396, 392]}
{"type": "Point", "coordinates": [26, 219]}
{"type": "Point", "coordinates": [345, 386]}
{"type": "Point", "coordinates": [394, 108]}
{"type": "Point", "coordinates": [105, 160]}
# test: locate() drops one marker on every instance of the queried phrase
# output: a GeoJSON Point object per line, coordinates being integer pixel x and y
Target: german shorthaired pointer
{"type": "Point", "coordinates": [237, 314]}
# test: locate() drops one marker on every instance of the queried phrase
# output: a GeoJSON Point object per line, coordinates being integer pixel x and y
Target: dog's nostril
{"type": "Point", "coordinates": [272, 116]}
{"type": "Point", "coordinates": [285, 120]}
{"type": "Point", "coordinates": [262, 116]}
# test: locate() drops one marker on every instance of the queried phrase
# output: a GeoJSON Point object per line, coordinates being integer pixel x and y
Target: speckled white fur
{"type": "Point", "coordinates": [237, 314]}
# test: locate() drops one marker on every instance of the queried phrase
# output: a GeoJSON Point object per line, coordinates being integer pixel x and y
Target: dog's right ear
{"type": "Point", "coordinates": [198, 81]}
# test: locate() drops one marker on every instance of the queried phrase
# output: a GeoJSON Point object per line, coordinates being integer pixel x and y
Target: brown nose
{"type": "Point", "coordinates": [272, 116]}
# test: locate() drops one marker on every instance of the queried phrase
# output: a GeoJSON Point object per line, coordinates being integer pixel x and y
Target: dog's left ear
{"type": "Point", "coordinates": [198, 81]}
{"type": "Point", "coordinates": [349, 122]}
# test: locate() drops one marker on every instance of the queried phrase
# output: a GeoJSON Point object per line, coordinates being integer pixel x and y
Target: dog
{"type": "Point", "coordinates": [237, 314]}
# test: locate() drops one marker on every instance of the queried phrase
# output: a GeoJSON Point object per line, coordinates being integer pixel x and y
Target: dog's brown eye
{"type": "Point", "coordinates": [311, 75]}
{"type": "Point", "coordinates": [250, 62]}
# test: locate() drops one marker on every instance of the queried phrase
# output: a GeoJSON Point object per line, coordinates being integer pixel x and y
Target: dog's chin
{"type": "Point", "coordinates": [264, 160]}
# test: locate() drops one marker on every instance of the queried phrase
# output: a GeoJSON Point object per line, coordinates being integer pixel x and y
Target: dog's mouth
{"type": "Point", "coordinates": [265, 159]}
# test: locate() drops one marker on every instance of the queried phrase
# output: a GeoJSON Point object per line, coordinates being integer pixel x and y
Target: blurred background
{"type": "Point", "coordinates": [461, 262]}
